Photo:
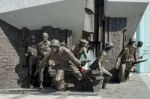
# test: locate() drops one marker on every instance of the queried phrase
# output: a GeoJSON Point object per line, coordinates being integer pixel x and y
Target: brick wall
{"type": "Point", "coordinates": [114, 27]}
{"type": "Point", "coordinates": [9, 58]}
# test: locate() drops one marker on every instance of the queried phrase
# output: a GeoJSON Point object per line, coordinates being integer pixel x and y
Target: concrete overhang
{"type": "Point", "coordinates": [64, 14]}
{"type": "Point", "coordinates": [132, 9]}
{"type": "Point", "coordinates": [11, 5]}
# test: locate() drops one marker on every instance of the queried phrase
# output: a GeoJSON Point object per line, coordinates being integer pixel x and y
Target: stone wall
{"type": "Point", "coordinates": [9, 58]}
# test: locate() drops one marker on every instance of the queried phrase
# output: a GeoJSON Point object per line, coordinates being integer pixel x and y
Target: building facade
{"type": "Point", "coordinates": [143, 34]}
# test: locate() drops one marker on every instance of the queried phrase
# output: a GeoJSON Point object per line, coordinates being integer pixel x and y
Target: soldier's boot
{"type": "Point", "coordinates": [41, 78]}
{"type": "Point", "coordinates": [104, 83]}
{"type": "Point", "coordinates": [122, 73]}
{"type": "Point", "coordinates": [31, 81]}
{"type": "Point", "coordinates": [41, 86]}
{"type": "Point", "coordinates": [127, 75]}
{"type": "Point", "coordinates": [107, 75]}
{"type": "Point", "coordinates": [106, 80]}
{"type": "Point", "coordinates": [104, 86]}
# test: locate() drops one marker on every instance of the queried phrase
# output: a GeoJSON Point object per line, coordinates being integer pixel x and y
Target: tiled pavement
{"type": "Point", "coordinates": [138, 87]}
{"type": "Point", "coordinates": [135, 88]}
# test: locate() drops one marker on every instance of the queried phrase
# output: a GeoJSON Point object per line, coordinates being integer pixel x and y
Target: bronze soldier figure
{"type": "Point", "coordinates": [63, 58]}
{"type": "Point", "coordinates": [80, 50]}
{"type": "Point", "coordinates": [102, 58]}
{"type": "Point", "coordinates": [125, 60]}
{"type": "Point", "coordinates": [31, 58]}
{"type": "Point", "coordinates": [132, 57]}
{"type": "Point", "coordinates": [139, 45]}
{"type": "Point", "coordinates": [43, 50]}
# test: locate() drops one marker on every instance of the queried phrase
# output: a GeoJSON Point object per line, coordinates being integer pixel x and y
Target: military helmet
{"type": "Point", "coordinates": [131, 41]}
{"type": "Point", "coordinates": [109, 44]}
{"type": "Point", "coordinates": [139, 44]}
{"type": "Point", "coordinates": [45, 34]}
{"type": "Point", "coordinates": [55, 43]}
{"type": "Point", "coordinates": [83, 41]}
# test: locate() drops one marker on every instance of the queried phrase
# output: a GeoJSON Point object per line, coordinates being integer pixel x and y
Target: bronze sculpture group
{"type": "Point", "coordinates": [73, 68]}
